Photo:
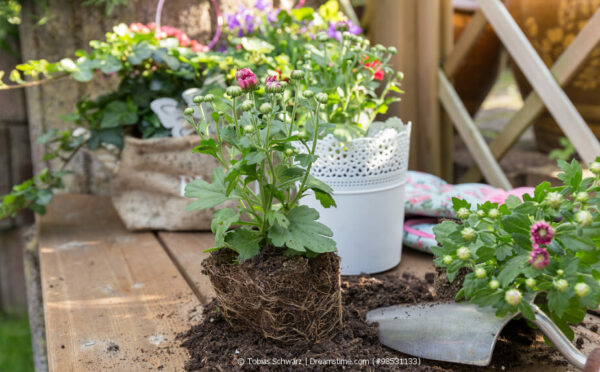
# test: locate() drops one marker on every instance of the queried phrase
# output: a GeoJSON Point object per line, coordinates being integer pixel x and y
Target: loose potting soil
{"type": "Point", "coordinates": [214, 345]}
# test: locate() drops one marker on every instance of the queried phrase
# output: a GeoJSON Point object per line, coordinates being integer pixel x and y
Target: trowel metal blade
{"type": "Point", "coordinates": [451, 332]}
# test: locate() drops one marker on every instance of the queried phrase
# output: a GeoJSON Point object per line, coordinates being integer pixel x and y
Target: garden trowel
{"type": "Point", "coordinates": [461, 333]}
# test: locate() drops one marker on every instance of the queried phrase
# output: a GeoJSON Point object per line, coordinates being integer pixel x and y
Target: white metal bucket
{"type": "Point", "coordinates": [368, 177]}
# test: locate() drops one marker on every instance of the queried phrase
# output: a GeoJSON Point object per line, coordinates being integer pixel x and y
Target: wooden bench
{"type": "Point", "coordinates": [114, 299]}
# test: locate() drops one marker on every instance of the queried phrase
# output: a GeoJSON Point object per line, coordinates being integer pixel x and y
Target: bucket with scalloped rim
{"type": "Point", "coordinates": [367, 175]}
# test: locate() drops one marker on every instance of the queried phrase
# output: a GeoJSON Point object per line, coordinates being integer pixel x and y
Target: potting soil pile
{"type": "Point", "coordinates": [214, 345]}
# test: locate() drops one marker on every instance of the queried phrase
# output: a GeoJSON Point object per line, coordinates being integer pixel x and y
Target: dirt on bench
{"type": "Point", "coordinates": [214, 345]}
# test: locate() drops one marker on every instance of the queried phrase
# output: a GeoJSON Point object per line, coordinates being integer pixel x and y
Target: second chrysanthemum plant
{"type": "Point", "coordinates": [261, 168]}
{"type": "Point", "coordinates": [545, 248]}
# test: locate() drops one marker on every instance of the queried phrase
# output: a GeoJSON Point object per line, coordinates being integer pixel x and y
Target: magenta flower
{"type": "Point", "coordinates": [246, 79]}
{"type": "Point", "coordinates": [541, 233]}
{"type": "Point", "coordinates": [272, 85]}
{"type": "Point", "coordinates": [539, 258]}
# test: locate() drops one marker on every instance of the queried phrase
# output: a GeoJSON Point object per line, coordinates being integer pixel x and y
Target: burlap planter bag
{"type": "Point", "coordinates": [148, 190]}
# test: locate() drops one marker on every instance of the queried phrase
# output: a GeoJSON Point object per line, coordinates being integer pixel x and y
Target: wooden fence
{"type": "Point", "coordinates": [424, 30]}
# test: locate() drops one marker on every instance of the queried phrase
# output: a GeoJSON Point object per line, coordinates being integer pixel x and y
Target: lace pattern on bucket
{"type": "Point", "coordinates": [369, 162]}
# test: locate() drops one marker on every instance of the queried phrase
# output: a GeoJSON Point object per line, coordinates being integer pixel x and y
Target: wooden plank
{"type": "Point", "coordinates": [470, 133]}
{"type": "Point", "coordinates": [465, 42]}
{"type": "Point", "coordinates": [447, 129]}
{"type": "Point", "coordinates": [534, 69]}
{"type": "Point", "coordinates": [113, 300]}
{"type": "Point", "coordinates": [349, 11]}
{"type": "Point", "coordinates": [35, 303]}
{"type": "Point", "coordinates": [563, 69]}
{"type": "Point", "coordinates": [394, 23]}
{"type": "Point", "coordinates": [187, 251]}
{"type": "Point", "coordinates": [12, 278]}
{"type": "Point", "coordinates": [428, 60]}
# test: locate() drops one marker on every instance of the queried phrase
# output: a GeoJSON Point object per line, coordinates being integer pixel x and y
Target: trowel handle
{"type": "Point", "coordinates": [562, 343]}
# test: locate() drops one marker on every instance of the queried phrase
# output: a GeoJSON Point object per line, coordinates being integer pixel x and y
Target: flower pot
{"type": "Point", "coordinates": [478, 71]}
{"type": "Point", "coordinates": [150, 181]}
{"type": "Point", "coordinates": [550, 26]}
{"type": "Point", "coordinates": [367, 176]}
{"type": "Point", "coordinates": [284, 298]}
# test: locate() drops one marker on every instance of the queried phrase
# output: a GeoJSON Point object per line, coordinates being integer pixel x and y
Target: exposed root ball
{"type": "Point", "coordinates": [288, 299]}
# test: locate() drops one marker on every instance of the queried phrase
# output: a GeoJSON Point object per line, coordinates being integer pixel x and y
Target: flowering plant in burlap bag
{"type": "Point", "coordinates": [543, 249]}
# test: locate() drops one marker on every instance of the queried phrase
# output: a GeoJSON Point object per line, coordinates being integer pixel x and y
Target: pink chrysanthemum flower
{"type": "Point", "coordinates": [246, 79]}
{"type": "Point", "coordinates": [541, 233]}
{"type": "Point", "coordinates": [539, 257]}
{"type": "Point", "coordinates": [272, 85]}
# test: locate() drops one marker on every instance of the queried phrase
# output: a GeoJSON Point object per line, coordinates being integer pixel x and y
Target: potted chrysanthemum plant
{"type": "Point", "coordinates": [363, 160]}
{"type": "Point", "coordinates": [273, 266]}
{"type": "Point", "coordinates": [542, 250]}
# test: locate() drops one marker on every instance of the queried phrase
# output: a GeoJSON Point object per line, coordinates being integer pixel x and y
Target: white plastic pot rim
{"type": "Point", "coordinates": [369, 190]}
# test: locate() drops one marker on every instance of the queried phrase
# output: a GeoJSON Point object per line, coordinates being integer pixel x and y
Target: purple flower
{"type": "Point", "coordinates": [354, 29]}
{"type": "Point", "coordinates": [539, 257]}
{"type": "Point", "coordinates": [261, 5]}
{"type": "Point", "coordinates": [246, 79]}
{"type": "Point", "coordinates": [541, 233]}
{"type": "Point", "coordinates": [232, 21]}
{"type": "Point", "coordinates": [272, 15]}
{"type": "Point", "coordinates": [333, 33]}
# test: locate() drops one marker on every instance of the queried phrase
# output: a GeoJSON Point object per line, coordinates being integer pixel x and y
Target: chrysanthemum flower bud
{"type": "Point", "coordinates": [584, 218]}
{"type": "Point", "coordinates": [513, 297]}
{"type": "Point", "coordinates": [494, 284]}
{"type": "Point", "coordinates": [560, 272]}
{"type": "Point", "coordinates": [248, 128]}
{"type": "Point", "coordinates": [493, 213]}
{"type": "Point", "coordinates": [468, 234]}
{"type": "Point", "coordinates": [308, 93]}
{"type": "Point", "coordinates": [595, 167]}
{"type": "Point", "coordinates": [322, 37]}
{"type": "Point", "coordinates": [554, 199]}
{"type": "Point", "coordinates": [463, 213]}
{"type": "Point", "coordinates": [561, 285]}
{"type": "Point", "coordinates": [463, 253]}
{"type": "Point", "coordinates": [322, 98]}
{"type": "Point", "coordinates": [247, 80]}
{"type": "Point", "coordinates": [198, 99]}
{"type": "Point", "coordinates": [188, 111]}
{"type": "Point", "coordinates": [480, 273]}
{"type": "Point", "coordinates": [342, 26]}
{"type": "Point", "coordinates": [303, 134]}
{"type": "Point", "coordinates": [234, 91]}
{"type": "Point", "coordinates": [530, 282]}
{"type": "Point", "coordinates": [297, 74]}
{"type": "Point", "coordinates": [447, 259]}
{"type": "Point", "coordinates": [247, 105]}
{"type": "Point", "coordinates": [481, 213]}
{"type": "Point", "coordinates": [209, 98]}
{"type": "Point", "coordinates": [582, 196]}
{"type": "Point", "coordinates": [582, 289]}
{"type": "Point", "coordinates": [289, 152]}
{"type": "Point", "coordinates": [266, 108]}
{"type": "Point", "coordinates": [392, 50]}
